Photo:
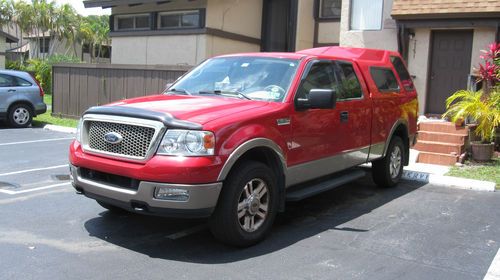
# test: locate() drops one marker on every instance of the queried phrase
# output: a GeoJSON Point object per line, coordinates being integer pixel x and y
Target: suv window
{"type": "Point", "coordinates": [7, 81]}
{"type": "Point", "coordinates": [349, 86]}
{"type": "Point", "coordinates": [320, 76]}
{"type": "Point", "coordinates": [403, 73]}
{"type": "Point", "coordinates": [385, 79]}
{"type": "Point", "coordinates": [22, 82]}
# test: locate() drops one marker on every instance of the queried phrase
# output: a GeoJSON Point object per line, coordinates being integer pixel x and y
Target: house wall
{"type": "Point", "coordinates": [482, 38]}
{"type": "Point", "coordinates": [418, 63]}
{"type": "Point", "coordinates": [386, 38]}
{"type": "Point", "coordinates": [242, 17]}
{"type": "Point", "coordinates": [328, 32]}
{"type": "Point", "coordinates": [218, 46]}
{"type": "Point", "coordinates": [154, 50]}
{"type": "Point", "coordinates": [305, 25]}
{"type": "Point", "coordinates": [3, 47]}
{"type": "Point", "coordinates": [58, 47]}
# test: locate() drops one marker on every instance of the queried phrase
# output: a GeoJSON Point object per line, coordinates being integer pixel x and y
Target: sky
{"type": "Point", "coordinates": [78, 5]}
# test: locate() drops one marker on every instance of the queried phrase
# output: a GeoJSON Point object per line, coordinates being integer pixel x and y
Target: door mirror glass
{"type": "Point", "coordinates": [318, 99]}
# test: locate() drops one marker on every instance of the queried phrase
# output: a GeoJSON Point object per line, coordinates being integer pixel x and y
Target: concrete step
{"type": "Point", "coordinates": [444, 127]}
{"type": "Point", "coordinates": [437, 158]}
{"type": "Point", "coordinates": [439, 147]}
{"type": "Point", "coordinates": [442, 137]}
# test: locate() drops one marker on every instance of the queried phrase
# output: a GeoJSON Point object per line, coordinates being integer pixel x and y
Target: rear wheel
{"type": "Point", "coordinates": [247, 206]}
{"type": "Point", "coordinates": [20, 115]}
{"type": "Point", "coordinates": [387, 172]}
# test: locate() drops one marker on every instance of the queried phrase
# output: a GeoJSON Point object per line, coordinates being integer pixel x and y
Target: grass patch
{"type": "Point", "coordinates": [46, 118]}
{"type": "Point", "coordinates": [489, 171]}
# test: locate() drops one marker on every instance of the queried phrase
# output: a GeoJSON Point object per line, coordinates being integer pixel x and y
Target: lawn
{"type": "Point", "coordinates": [46, 118]}
{"type": "Point", "coordinates": [489, 171]}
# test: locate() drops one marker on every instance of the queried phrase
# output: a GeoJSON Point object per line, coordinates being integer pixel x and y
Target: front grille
{"type": "Point", "coordinates": [109, 179]}
{"type": "Point", "coordinates": [136, 139]}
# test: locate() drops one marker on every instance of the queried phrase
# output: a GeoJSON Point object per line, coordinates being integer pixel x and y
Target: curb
{"type": "Point", "coordinates": [60, 128]}
{"type": "Point", "coordinates": [448, 181]}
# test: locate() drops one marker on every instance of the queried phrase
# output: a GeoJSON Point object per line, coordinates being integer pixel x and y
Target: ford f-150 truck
{"type": "Point", "coordinates": [239, 135]}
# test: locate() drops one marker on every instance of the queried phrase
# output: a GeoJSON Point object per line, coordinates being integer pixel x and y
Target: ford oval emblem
{"type": "Point", "coordinates": [113, 137]}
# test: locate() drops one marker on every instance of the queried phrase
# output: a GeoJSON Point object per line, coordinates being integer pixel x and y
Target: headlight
{"type": "Point", "coordinates": [177, 142]}
{"type": "Point", "coordinates": [78, 135]}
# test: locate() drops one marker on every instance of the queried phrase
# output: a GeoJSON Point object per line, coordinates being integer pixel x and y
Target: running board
{"type": "Point", "coordinates": [306, 190]}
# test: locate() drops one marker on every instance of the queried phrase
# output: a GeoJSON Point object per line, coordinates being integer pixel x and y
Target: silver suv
{"type": "Point", "coordinates": [21, 98]}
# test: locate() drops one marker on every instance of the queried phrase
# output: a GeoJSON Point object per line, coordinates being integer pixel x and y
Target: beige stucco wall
{"type": "Point", "coordinates": [482, 38]}
{"type": "Point", "coordinates": [376, 39]}
{"type": "Point", "coordinates": [243, 17]}
{"type": "Point", "coordinates": [305, 25]}
{"type": "Point", "coordinates": [217, 46]}
{"type": "Point", "coordinates": [328, 32]}
{"type": "Point", "coordinates": [58, 47]}
{"type": "Point", "coordinates": [418, 63]}
{"type": "Point", "coordinates": [153, 7]}
{"type": "Point", "coordinates": [3, 47]}
{"type": "Point", "coordinates": [165, 50]}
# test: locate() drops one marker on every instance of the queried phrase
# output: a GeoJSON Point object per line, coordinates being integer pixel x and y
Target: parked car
{"type": "Point", "coordinates": [21, 98]}
{"type": "Point", "coordinates": [240, 135]}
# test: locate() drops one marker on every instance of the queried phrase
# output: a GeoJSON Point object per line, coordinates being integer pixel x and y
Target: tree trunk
{"type": "Point", "coordinates": [487, 85]}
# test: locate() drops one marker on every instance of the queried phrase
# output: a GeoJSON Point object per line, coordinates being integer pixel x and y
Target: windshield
{"type": "Point", "coordinates": [256, 78]}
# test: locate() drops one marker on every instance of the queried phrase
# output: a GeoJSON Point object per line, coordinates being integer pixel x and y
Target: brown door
{"type": "Point", "coordinates": [450, 66]}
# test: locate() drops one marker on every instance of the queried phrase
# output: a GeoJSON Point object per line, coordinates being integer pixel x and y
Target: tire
{"type": "Point", "coordinates": [111, 208]}
{"type": "Point", "coordinates": [20, 115]}
{"type": "Point", "coordinates": [247, 205]}
{"type": "Point", "coordinates": [387, 172]}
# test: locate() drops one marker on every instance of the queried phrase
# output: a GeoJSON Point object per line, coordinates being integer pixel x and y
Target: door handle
{"type": "Point", "coordinates": [11, 90]}
{"type": "Point", "coordinates": [344, 116]}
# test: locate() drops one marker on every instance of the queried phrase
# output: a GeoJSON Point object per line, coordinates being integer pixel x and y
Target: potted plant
{"type": "Point", "coordinates": [482, 106]}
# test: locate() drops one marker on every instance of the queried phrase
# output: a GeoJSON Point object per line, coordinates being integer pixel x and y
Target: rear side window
{"type": "Point", "coordinates": [22, 82]}
{"type": "Point", "coordinates": [348, 86]}
{"type": "Point", "coordinates": [7, 81]}
{"type": "Point", "coordinates": [385, 79]}
{"type": "Point", "coordinates": [403, 73]}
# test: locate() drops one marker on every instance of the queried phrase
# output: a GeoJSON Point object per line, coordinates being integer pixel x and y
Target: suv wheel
{"type": "Point", "coordinates": [247, 206]}
{"type": "Point", "coordinates": [20, 115]}
{"type": "Point", "coordinates": [387, 172]}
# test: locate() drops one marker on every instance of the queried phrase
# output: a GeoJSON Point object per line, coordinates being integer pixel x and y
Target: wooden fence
{"type": "Point", "coordinates": [76, 87]}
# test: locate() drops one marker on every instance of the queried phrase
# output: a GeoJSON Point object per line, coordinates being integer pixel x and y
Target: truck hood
{"type": "Point", "coordinates": [197, 109]}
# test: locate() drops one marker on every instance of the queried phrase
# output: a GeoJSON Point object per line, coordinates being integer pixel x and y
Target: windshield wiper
{"type": "Point", "coordinates": [219, 92]}
{"type": "Point", "coordinates": [178, 90]}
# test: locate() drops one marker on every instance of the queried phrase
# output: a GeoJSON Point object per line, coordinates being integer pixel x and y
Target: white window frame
{"type": "Point", "coordinates": [351, 4]}
{"type": "Point", "coordinates": [134, 16]}
{"type": "Point", "coordinates": [183, 12]}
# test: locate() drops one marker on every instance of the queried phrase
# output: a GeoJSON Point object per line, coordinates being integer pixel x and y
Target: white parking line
{"type": "Point", "coordinates": [36, 141]}
{"type": "Point", "coordinates": [494, 270]}
{"type": "Point", "coordinates": [33, 189]}
{"type": "Point", "coordinates": [34, 169]}
{"type": "Point", "coordinates": [186, 232]}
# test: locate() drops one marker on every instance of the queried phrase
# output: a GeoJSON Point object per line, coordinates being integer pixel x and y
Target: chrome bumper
{"type": "Point", "coordinates": [201, 202]}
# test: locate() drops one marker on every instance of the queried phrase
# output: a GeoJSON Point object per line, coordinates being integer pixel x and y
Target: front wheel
{"type": "Point", "coordinates": [387, 172]}
{"type": "Point", "coordinates": [20, 116]}
{"type": "Point", "coordinates": [247, 206]}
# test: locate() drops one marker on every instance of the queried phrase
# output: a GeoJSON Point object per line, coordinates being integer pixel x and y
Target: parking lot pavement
{"type": "Point", "coordinates": [357, 231]}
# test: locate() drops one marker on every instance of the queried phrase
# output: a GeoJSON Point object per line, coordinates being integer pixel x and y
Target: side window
{"type": "Point", "coordinates": [320, 76]}
{"type": "Point", "coordinates": [6, 81]}
{"type": "Point", "coordinates": [22, 82]}
{"type": "Point", "coordinates": [349, 86]}
{"type": "Point", "coordinates": [385, 79]}
{"type": "Point", "coordinates": [403, 73]}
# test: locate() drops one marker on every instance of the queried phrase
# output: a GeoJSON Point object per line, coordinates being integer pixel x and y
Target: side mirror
{"type": "Point", "coordinates": [318, 99]}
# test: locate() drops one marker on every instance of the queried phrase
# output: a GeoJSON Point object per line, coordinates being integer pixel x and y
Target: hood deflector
{"type": "Point", "coordinates": [166, 118]}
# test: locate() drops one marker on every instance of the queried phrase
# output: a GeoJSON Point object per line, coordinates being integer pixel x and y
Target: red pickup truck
{"type": "Point", "coordinates": [239, 135]}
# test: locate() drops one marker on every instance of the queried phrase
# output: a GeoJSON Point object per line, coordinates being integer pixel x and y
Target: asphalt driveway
{"type": "Point", "coordinates": [358, 231]}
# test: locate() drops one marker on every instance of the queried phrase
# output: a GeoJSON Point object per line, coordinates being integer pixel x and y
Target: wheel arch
{"type": "Point", "coordinates": [262, 150]}
{"type": "Point", "coordinates": [22, 102]}
{"type": "Point", "coordinates": [400, 129]}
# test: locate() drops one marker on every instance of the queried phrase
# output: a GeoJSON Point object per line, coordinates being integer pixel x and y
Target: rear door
{"type": "Point", "coordinates": [8, 91]}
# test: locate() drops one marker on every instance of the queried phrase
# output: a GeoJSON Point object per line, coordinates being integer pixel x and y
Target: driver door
{"type": "Point", "coordinates": [314, 140]}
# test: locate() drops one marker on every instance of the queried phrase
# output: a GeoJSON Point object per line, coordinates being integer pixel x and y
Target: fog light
{"type": "Point", "coordinates": [166, 193]}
